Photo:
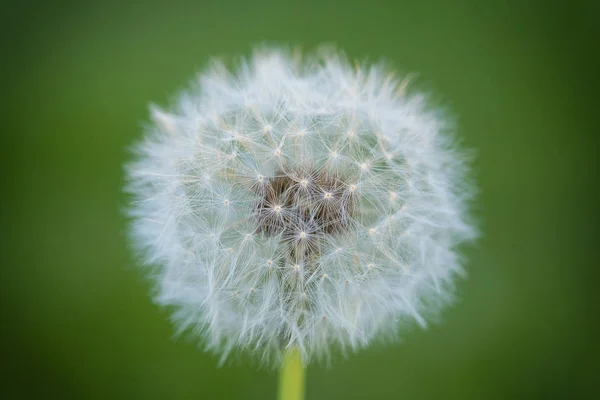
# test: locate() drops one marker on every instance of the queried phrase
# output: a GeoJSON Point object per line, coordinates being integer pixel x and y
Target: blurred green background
{"type": "Point", "coordinates": [522, 77]}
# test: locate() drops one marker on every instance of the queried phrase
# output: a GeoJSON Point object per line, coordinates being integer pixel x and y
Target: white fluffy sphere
{"type": "Point", "coordinates": [299, 202]}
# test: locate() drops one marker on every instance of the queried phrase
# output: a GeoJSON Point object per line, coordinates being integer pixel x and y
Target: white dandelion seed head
{"type": "Point", "coordinates": [299, 202]}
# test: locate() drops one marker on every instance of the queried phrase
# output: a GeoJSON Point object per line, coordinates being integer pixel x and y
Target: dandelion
{"type": "Point", "coordinates": [299, 205]}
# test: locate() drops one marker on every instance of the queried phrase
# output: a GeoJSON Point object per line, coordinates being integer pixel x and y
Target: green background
{"type": "Point", "coordinates": [522, 77]}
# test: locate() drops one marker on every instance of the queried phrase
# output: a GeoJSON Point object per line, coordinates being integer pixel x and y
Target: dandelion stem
{"type": "Point", "coordinates": [291, 376]}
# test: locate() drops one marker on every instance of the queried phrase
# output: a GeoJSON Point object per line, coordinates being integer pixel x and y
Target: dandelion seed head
{"type": "Point", "coordinates": [299, 203]}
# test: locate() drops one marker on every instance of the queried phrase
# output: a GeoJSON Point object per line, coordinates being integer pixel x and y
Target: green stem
{"type": "Point", "coordinates": [291, 376]}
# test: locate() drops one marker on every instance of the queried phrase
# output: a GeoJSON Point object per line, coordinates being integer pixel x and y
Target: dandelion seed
{"type": "Point", "coordinates": [401, 183]}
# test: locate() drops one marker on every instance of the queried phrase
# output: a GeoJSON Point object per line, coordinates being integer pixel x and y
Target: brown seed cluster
{"type": "Point", "coordinates": [301, 206]}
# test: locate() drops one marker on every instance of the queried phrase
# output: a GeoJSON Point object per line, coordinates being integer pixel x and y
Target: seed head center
{"type": "Point", "coordinates": [326, 207]}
